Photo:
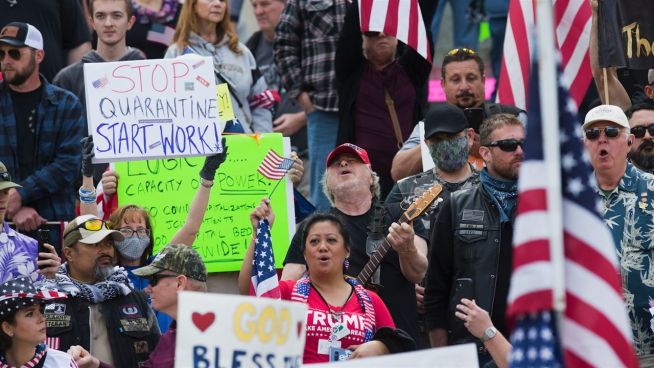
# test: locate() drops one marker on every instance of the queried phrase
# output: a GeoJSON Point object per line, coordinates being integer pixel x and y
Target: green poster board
{"type": "Point", "coordinates": [166, 188]}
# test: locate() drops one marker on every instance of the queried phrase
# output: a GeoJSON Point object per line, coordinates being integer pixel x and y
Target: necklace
{"type": "Point", "coordinates": [335, 315]}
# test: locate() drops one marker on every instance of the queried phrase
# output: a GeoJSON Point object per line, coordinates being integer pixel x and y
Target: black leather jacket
{"type": "Point", "coordinates": [478, 247]}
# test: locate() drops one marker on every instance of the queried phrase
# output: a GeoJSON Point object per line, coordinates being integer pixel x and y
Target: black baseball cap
{"type": "Point", "coordinates": [445, 118]}
{"type": "Point", "coordinates": [21, 34]}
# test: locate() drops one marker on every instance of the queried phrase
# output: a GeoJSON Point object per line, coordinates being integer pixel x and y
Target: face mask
{"type": "Point", "coordinates": [450, 154]}
{"type": "Point", "coordinates": [132, 247]}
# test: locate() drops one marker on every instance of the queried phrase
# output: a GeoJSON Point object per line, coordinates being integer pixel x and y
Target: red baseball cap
{"type": "Point", "coordinates": [348, 148]}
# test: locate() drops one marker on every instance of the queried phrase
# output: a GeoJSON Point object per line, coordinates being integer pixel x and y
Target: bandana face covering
{"type": "Point", "coordinates": [132, 247]}
{"type": "Point", "coordinates": [450, 154]}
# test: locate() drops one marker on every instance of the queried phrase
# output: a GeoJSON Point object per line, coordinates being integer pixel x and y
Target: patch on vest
{"type": "Point", "coordinates": [55, 320]}
{"type": "Point", "coordinates": [55, 308]}
{"type": "Point", "coordinates": [130, 311]}
{"type": "Point", "coordinates": [135, 324]}
{"type": "Point", "coordinates": [472, 215]}
{"type": "Point", "coordinates": [141, 347]}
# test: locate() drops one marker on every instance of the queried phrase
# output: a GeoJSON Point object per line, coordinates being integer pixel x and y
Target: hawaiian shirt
{"type": "Point", "coordinates": [18, 255]}
{"type": "Point", "coordinates": [629, 213]}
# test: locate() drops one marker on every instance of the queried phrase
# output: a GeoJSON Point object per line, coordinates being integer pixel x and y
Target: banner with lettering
{"type": "Point", "coordinates": [218, 330]}
{"type": "Point", "coordinates": [167, 187]}
{"type": "Point", "coordinates": [626, 33]}
{"type": "Point", "coordinates": [160, 108]}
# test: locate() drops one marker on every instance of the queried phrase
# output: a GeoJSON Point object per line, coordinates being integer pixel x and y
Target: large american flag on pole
{"type": "Point", "coordinates": [572, 20]}
{"type": "Point", "coordinates": [264, 276]}
{"type": "Point", "coordinates": [594, 329]}
{"type": "Point", "coordinates": [399, 18]}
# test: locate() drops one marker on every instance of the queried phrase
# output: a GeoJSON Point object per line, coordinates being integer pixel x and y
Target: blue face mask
{"type": "Point", "coordinates": [132, 247]}
{"type": "Point", "coordinates": [450, 154]}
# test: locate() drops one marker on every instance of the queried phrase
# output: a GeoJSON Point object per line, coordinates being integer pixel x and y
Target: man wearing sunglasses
{"type": "Point", "coordinates": [641, 121]}
{"type": "Point", "coordinates": [627, 204]}
{"type": "Point", "coordinates": [472, 238]}
{"type": "Point", "coordinates": [176, 268]}
{"type": "Point", "coordinates": [104, 314]}
{"type": "Point", "coordinates": [42, 127]}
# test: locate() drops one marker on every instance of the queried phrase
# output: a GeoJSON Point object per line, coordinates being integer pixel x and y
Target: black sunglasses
{"type": "Point", "coordinates": [508, 145]}
{"type": "Point", "coordinates": [639, 131]}
{"type": "Point", "coordinates": [371, 33]}
{"type": "Point", "coordinates": [594, 133]}
{"type": "Point", "coordinates": [13, 53]}
{"type": "Point", "coordinates": [154, 279]}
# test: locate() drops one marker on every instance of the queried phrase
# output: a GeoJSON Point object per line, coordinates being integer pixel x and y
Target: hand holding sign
{"type": "Point", "coordinates": [212, 163]}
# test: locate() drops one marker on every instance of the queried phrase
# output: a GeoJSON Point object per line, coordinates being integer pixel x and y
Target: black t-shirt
{"type": "Point", "coordinates": [61, 22]}
{"type": "Point", "coordinates": [26, 112]}
{"type": "Point", "coordinates": [396, 292]}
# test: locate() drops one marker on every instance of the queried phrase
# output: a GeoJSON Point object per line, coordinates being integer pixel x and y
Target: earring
{"type": "Point", "coordinates": [346, 263]}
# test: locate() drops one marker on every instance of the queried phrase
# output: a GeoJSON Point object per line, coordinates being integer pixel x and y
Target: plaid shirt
{"type": "Point", "coordinates": [57, 154]}
{"type": "Point", "coordinates": [305, 49]}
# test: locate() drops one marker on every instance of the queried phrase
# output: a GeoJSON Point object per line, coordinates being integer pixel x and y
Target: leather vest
{"type": "Point", "coordinates": [128, 320]}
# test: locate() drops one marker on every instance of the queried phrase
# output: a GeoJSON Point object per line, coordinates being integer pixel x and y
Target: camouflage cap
{"type": "Point", "coordinates": [178, 258]}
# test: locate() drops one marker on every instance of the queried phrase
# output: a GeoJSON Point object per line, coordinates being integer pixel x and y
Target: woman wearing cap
{"type": "Point", "coordinates": [22, 327]}
{"type": "Point", "coordinates": [204, 29]}
{"type": "Point", "coordinates": [134, 222]}
{"type": "Point", "coordinates": [326, 246]}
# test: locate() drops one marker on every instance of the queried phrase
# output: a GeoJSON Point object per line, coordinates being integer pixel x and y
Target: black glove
{"type": "Point", "coordinates": [212, 163]}
{"type": "Point", "coordinates": [87, 156]}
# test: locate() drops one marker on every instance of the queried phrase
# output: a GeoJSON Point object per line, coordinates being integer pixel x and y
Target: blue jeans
{"type": "Point", "coordinates": [466, 33]}
{"type": "Point", "coordinates": [322, 127]}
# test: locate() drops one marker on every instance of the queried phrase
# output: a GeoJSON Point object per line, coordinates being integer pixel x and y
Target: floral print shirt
{"type": "Point", "coordinates": [18, 255]}
{"type": "Point", "coordinates": [629, 213]}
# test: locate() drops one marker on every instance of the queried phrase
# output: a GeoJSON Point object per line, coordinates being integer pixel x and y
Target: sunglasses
{"type": "Point", "coordinates": [610, 131]}
{"type": "Point", "coordinates": [508, 145]}
{"type": "Point", "coordinates": [4, 176]}
{"type": "Point", "coordinates": [13, 53]}
{"type": "Point", "coordinates": [639, 131]}
{"type": "Point", "coordinates": [371, 33]}
{"type": "Point", "coordinates": [463, 49]}
{"type": "Point", "coordinates": [90, 225]}
{"type": "Point", "coordinates": [154, 279]}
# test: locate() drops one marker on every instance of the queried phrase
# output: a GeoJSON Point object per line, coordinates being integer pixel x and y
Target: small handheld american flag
{"type": "Point", "coordinates": [274, 166]}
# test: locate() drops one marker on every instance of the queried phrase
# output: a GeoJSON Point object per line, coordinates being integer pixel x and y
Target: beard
{"type": "Point", "coordinates": [20, 76]}
{"type": "Point", "coordinates": [102, 271]}
{"type": "Point", "coordinates": [643, 156]}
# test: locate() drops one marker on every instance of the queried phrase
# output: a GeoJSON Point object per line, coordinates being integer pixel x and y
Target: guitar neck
{"type": "Point", "coordinates": [376, 258]}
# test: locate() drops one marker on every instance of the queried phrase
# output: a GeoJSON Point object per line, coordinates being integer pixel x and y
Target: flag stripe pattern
{"type": "Point", "coordinates": [595, 329]}
{"type": "Point", "coordinates": [572, 20]}
{"type": "Point", "coordinates": [274, 166]}
{"type": "Point", "coordinates": [401, 19]}
{"type": "Point", "coordinates": [264, 276]}
{"type": "Point", "coordinates": [266, 99]}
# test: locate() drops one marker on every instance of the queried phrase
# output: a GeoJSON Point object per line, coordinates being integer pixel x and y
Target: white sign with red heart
{"type": "Point", "coordinates": [219, 330]}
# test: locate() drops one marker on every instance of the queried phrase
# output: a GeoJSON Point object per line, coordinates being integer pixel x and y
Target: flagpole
{"type": "Point", "coordinates": [279, 181]}
{"type": "Point", "coordinates": [551, 144]}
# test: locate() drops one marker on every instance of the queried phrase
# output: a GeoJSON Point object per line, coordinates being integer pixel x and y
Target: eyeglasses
{"type": "Point", "coordinates": [141, 232]}
{"type": "Point", "coordinates": [371, 33]}
{"type": "Point", "coordinates": [639, 131]}
{"type": "Point", "coordinates": [463, 49]}
{"type": "Point", "coordinates": [154, 279]}
{"type": "Point", "coordinates": [594, 133]}
{"type": "Point", "coordinates": [507, 145]}
{"type": "Point", "coordinates": [90, 225]}
{"type": "Point", "coordinates": [13, 53]}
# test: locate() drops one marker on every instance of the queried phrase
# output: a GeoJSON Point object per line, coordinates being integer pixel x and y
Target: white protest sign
{"type": "Point", "coordinates": [219, 330]}
{"type": "Point", "coordinates": [449, 356]}
{"type": "Point", "coordinates": [427, 161]}
{"type": "Point", "coordinates": [145, 109]}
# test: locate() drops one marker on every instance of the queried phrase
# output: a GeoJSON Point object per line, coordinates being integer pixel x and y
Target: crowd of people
{"type": "Point", "coordinates": [91, 291]}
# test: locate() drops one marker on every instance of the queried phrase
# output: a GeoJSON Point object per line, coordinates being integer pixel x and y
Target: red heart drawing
{"type": "Point", "coordinates": [300, 326]}
{"type": "Point", "coordinates": [203, 321]}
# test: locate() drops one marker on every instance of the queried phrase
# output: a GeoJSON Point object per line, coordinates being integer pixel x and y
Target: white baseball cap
{"type": "Point", "coordinates": [610, 113]}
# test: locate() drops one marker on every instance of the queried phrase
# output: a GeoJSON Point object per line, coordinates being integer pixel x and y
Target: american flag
{"type": "Point", "coordinates": [266, 99]}
{"type": "Point", "coordinates": [264, 276]}
{"type": "Point", "coordinates": [274, 166]}
{"type": "Point", "coordinates": [399, 18]}
{"type": "Point", "coordinates": [595, 328]}
{"type": "Point", "coordinates": [99, 83]}
{"type": "Point", "coordinates": [572, 20]}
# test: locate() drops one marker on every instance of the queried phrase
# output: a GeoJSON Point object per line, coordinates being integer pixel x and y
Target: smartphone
{"type": "Point", "coordinates": [43, 236]}
{"type": "Point", "coordinates": [475, 116]}
{"type": "Point", "coordinates": [463, 288]}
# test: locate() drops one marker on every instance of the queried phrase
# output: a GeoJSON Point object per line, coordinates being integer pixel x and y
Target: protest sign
{"type": "Point", "coordinates": [166, 188]}
{"type": "Point", "coordinates": [626, 33]}
{"type": "Point", "coordinates": [427, 161]}
{"type": "Point", "coordinates": [217, 330]}
{"type": "Point", "coordinates": [449, 356]}
{"type": "Point", "coordinates": [158, 108]}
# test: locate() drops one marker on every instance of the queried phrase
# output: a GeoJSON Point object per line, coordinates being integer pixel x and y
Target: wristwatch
{"type": "Point", "coordinates": [489, 334]}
